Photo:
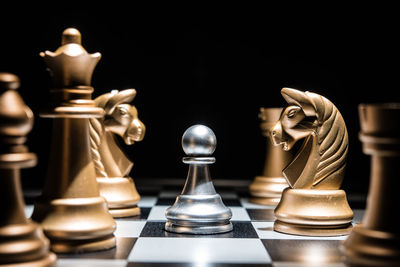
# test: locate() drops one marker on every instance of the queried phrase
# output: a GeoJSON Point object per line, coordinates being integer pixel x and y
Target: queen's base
{"type": "Point", "coordinates": [121, 195]}
{"type": "Point", "coordinates": [76, 225]}
{"type": "Point", "coordinates": [313, 212]}
{"type": "Point", "coordinates": [366, 247]}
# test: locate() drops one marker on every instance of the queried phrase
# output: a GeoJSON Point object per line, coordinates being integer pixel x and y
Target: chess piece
{"type": "Point", "coordinates": [22, 242]}
{"type": "Point", "coordinates": [267, 189]}
{"type": "Point", "coordinates": [313, 204]}
{"type": "Point", "coordinates": [112, 165]}
{"type": "Point", "coordinates": [376, 241]}
{"type": "Point", "coordinates": [198, 209]}
{"type": "Point", "coordinates": [71, 211]}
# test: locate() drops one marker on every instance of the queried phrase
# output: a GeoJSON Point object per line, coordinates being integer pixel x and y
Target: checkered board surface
{"type": "Point", "coordinates": [142, 241]}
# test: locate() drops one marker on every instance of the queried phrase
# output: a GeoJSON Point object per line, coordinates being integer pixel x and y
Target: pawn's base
{"type": "Point", "coordinates": [267, 190]}
{"type": "Point", "coordinates": [313, 212]}
{"type": "Point", "coordinates": [367, 247]}
{"type": "Point", "coordinates": [198, 214]}
{"type": "Point", "coordinates": [121, 195]}
{"type": "Point", "coordinates": [198, 229]}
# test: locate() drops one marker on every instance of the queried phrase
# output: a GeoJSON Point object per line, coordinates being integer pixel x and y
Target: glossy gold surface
{"type": "Point", "coordinates": [313, 212]}
{"type": "Point", "coordinates": [121, 195]}
{"type": "Point", "coordinates": [267, 188]}
{"type": "Point", "coordinates": [71, 211]}
{"type": "Point", "coordinates": [376, 241]}
{"type": "Point", "coordinates": [71, 65]}
{"type": "Point", "coordinates": [313, 205]}
{"type": "Point", "coordinates": [22, 242]}
{"type": "Point", "coordinates": [111, 163]}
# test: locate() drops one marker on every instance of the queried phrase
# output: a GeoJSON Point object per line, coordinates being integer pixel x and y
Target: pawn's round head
{"type": "Point", "coordinates": [8, 81]}
{"type": "Point", "coordinates": [199, 140]}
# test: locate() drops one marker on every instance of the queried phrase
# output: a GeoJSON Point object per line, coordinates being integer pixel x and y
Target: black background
{"type": "Point", "coordinates": [212, 66]}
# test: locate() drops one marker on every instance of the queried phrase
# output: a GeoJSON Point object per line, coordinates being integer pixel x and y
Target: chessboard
{"type": "Point", "coordinates": [142, 240]}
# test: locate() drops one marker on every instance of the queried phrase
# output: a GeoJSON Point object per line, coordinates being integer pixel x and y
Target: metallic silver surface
{"type": "Point", "coordinates": [199, 140]}
{"type": "Point", "coordinates": [198, 209]}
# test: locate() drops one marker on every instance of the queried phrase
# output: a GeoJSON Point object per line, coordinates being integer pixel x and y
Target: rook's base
{"type": "Point", "coordinates": [366, 247]}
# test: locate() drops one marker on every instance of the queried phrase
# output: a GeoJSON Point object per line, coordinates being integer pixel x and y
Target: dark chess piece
{"type": "Point", "coordinates": [198, 209]}
{"type": "Point", "coordinates": [22, 242]}
{"type": "Point", "coordinates": [376, 241]}
{"type": "Point", "coordinates": [267, 188]}
{"type": "Point", "coordinates": [71, 211]}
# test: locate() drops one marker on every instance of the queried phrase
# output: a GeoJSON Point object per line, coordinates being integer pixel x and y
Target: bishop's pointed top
{"type": "Point", "coordinates": [16, 119]}
{"type": "Point", "coordinates": [71, 35]}
{"type": "Point", "coordinates": [71, 65]}
{"type": "Point", "coordinates": [8, 81]}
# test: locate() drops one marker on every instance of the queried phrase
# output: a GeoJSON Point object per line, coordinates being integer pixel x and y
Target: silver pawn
{"type": "Point", "coordinates": [198, 209]}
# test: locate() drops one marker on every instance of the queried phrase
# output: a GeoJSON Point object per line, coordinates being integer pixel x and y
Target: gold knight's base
{"type": "Point", "coordinates": [121, 195]}
{"type": "Point", "coordinates": [311, 212]}
{"type": "Point", "coordinates": [366, 247]}
{"type": "Point", "coordinates": [76, 225]}
{"type": "Point", "coordinates": [267, 190]}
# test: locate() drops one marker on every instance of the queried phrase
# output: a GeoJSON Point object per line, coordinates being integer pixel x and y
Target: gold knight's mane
{"type": "Point", "coordinates": [102, 140]}
{"type": "Point", "coordinates": [331, 140]}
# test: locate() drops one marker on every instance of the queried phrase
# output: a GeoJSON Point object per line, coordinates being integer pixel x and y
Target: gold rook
{"type": "Point", "coordinates": [376, 241]}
